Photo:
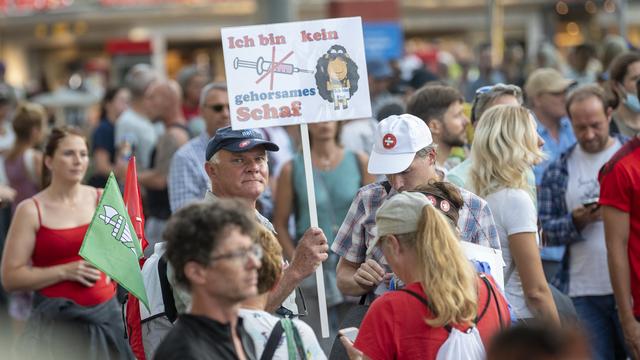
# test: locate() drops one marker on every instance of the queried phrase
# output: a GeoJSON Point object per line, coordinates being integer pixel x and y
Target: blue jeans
{"type": "Point", "coordinates": [599, 316]}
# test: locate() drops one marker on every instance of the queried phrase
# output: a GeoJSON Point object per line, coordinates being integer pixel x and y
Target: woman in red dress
{"type": "Point", "coordinates": [75, 312]}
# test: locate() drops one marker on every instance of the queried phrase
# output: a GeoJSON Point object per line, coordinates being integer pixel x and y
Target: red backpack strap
{"type": "Point", "coordinates": [38, 210]}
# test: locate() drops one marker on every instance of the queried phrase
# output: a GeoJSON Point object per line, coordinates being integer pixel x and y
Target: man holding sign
{"type": "Point", "coordinates": [293, 74]}
{"type": "Point", "coordinates": [237, 167]}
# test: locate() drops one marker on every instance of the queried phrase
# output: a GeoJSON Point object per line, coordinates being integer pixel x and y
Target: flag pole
{"type": "Point", "coordinates": [313, 214]}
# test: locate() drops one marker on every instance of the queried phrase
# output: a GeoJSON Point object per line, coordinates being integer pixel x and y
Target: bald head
{"type": "Point", "coordinates": [166, 100]}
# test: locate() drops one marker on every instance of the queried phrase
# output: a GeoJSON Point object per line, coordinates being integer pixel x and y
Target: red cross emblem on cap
{"type": "Point", "coordinates": [389, 141]}
{"type": "Point", "coordinates": [244, 144]}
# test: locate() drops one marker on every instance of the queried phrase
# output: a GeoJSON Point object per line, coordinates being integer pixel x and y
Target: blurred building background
{"type": "Point", "coordinates": [43, 43]}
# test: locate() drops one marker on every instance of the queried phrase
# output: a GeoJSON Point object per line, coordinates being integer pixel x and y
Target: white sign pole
{"type": "Point", "coordinates": [313, 214]}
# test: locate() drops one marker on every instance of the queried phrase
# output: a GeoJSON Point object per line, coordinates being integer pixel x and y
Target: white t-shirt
{"type": "Point", "coordinates": [513, 213]}
{"type": "Point", "coordinates": [588, 270]}
{"type": "Point", "coordinates": [259, 325]}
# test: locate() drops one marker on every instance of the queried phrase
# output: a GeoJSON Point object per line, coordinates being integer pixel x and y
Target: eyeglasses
{"type": "Point", "coordinates": [218, 107]}
{"type": "Point", "coordinates": [243, 254]}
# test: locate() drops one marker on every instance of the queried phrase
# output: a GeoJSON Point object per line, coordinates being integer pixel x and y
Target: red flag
{"type": "Point", "coordinates": [134, 327]}
{"type": "Point", "coordinates": [133, 201]}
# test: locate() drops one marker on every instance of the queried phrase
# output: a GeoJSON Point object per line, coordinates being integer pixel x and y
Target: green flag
{"type": "Point", "coordinates": [111, 244]}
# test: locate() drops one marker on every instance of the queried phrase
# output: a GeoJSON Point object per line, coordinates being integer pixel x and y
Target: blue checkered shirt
{"type": "Point", "coordinates": [358, 228]}
{"type": "Point", "coordinates": [188, 181]}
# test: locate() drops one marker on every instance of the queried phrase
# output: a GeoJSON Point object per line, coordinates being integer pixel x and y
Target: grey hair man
{"type": "Point", "coordinates": [188, 180]}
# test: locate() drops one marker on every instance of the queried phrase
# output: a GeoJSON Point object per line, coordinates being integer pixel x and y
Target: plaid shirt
{"type": "Point", "coordinates": [188, 181]}
{"type": "Point", "coordinates": [555, 218]}
{"type": "Point", "coordinates": [358, 228]}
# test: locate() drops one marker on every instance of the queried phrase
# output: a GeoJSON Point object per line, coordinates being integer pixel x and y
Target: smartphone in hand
{"type": "Point", "coordinates": [591, 202]}
{"type": "Point", "coordinates": [350, 333]}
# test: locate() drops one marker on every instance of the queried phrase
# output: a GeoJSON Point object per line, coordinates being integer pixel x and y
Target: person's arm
{"type": "Point", "coordinates": [283, 208]}
{"type": "Point", "coordinates": [561, 226]}
{"type": "Point", "coordinates": [352, 352]}
{"type": "Point", "coordinates": [152, 179]}
{"type": "Point", "coordinates": [7, 194]}
{"type": "Point", "coordinates": [616, 229]}
{"type": "Point", "coordinates": [37, 165]}
{"type": "Point", "coordinates": [101, 161]}
{"type": "Point", "coordinates": [310, 252]}
{"type": "Point", "coordinates": [17, 272]}
{"type": "Point", "coordinates": [537, 294]}
{"type": "Point", "coordinates": [363, 160]}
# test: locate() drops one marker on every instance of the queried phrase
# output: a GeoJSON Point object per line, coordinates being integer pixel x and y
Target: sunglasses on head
{"type": "Point", "coordinates": [218, 107]}
{"type": "Point", "coordinates": [499, 87]}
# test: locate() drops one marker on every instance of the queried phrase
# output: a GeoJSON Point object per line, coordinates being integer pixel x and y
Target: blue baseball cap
{"type": "Point", "coordinates": [237, 141]}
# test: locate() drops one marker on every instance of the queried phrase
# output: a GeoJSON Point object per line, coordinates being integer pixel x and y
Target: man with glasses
{"type": "Point", "coordinates": [546, 91]}
{"type": "Point", "coordinates": [187, 179]}
{"type": "Point", "coordinates": [486, 98]}
{"type": "Point", "coordinates": [403, 151]}
{"type": "Point", "coordinates": [211, 248]}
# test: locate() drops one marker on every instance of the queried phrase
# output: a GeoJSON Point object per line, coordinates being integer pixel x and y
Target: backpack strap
{"type": "Point", "coordinates": [273, 341]}
{"type": "Point", "coordinates": [167, 291]}
{"type": "Point", "coordinates": [486, 305]}
{"type": "Point", "coordinates": [294, 342]}
{"type": "Point", "coordinates": [425, 302]}
{"type": "Point", "coordinates": [492, 293]}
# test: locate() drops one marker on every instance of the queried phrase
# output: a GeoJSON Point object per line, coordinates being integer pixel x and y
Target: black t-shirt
{"type": "Point", "coordinates": [199, 337]}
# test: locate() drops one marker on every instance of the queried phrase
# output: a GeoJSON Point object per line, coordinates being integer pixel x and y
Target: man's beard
{"type": "Point", "coordinates": [453, 141]}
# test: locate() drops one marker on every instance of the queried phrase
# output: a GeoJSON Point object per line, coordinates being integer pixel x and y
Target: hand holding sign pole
{"type": "Point", "coordinates": [314, 70]}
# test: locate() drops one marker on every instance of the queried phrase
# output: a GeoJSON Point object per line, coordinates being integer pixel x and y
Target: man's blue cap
{"type": "Point", "coordinates": [237, 141]}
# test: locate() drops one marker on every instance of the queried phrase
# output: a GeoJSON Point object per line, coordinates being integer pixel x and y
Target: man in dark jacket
{"type": "Point", "coordinates": [211, 248]}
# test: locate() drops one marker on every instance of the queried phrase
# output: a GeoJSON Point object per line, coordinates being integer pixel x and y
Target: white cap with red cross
{"type": "Point", "coordinates": [397, 140]}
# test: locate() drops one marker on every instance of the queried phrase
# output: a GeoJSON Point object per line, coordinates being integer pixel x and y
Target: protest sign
{"type": "Point", "coordinates": [111, 244]}
{"type": "Point", "coordinates": [491, 257]}
{"type": "Point", "coordinates": [298, 72]}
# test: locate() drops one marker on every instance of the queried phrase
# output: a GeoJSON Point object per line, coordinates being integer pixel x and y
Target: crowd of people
{"type": "Point", "coordinates": [548, 176]}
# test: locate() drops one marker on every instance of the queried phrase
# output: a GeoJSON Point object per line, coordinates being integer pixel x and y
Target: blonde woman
{"type": "Point", "coordinates": [443, 292]}
{"type": "Point", "coordinates": [259, 323]}
{"type": "Point", "coordinates": [505, 147]}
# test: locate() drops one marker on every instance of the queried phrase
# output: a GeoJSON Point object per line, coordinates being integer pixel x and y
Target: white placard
{"type": "Point", "coordinates": [294, 73]}
{"type": "Point", "coordinates": [489, 255]}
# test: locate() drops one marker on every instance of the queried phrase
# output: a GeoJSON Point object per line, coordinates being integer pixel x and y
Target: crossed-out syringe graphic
{"type": "Point", "coordinates": [263, 65]}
